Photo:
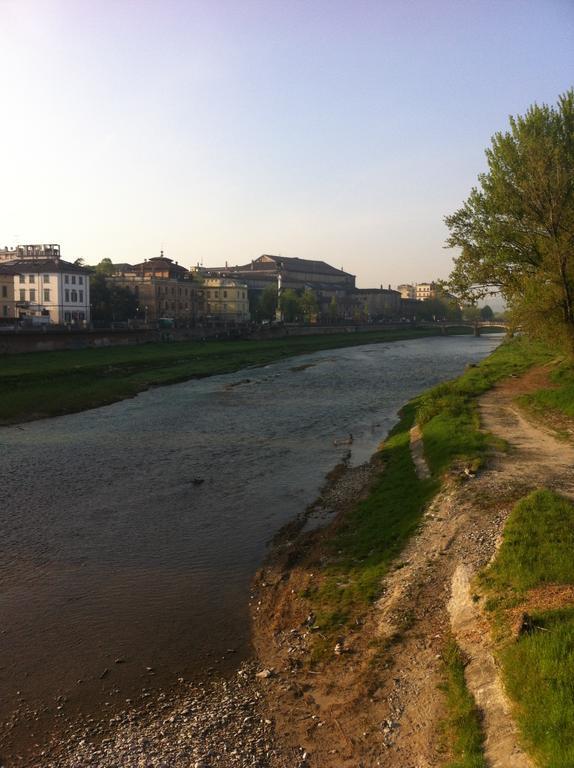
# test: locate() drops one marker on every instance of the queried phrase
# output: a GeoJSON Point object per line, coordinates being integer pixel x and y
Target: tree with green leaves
{"type": "Point", "coordinates": [105, 267]}
{"type": "Point", "coordinates": [309, 306]}
{"type": "Point", "coordinates": [267, 305]}
{"type": "Point", "coordinates": [516, 229]}
{"type": "Point", "coordinates": [110, 303]}
{"type": "Point", "coordinates": [486, 313]}
{"type": "Point", "coordinates": [289, 305]}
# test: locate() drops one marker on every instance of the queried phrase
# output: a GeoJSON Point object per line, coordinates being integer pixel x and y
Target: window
{"type": "Point", "coordinates": [81, 282]}
{"type": "Point", "coordinates": [225, 307]}
{"type": "Point", "coordinates": [81, 316]}
{"type": "Point", "coordinates": [46, 278]}
{"type": "Point", "coordinates": [81, 296]}
{"type": "Point", "coordinates": [67, 316]}
{"type": "Point", "coordinates": [4, 291]}
{"type": "Point", "coordinates": [224, 294]}
{"type": "Point", "coordinates": [74, 295]}
{"type": "Point", "coordinates": [67, 280]}
{"type": "Point", "coordinates": [5, 311]}
{"type": "Point", "coordinates": [67, 295]}
{"type": "Point", "coordinates": [31, 278]}
{"type": "Point", "coordinates": [22, 278]}
{"type": "Point", "coordinates": [22, 295]}
{"type": "Point", "coordinates": [32, 294]}
{"type": "Point", "coordinates": [46, 294]}
{"type": "Point", "coordinates": [73, 279]}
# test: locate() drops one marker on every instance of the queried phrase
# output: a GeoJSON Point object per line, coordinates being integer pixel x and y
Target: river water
{"type": "Point", "coordinates": [131, 532]}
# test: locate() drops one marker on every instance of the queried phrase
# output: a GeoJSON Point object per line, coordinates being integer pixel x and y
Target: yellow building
{"type": "Point", "coordinates": [426, 291]}
{"type": "Point", "coordinates": [7, 301]}
{"type": "Point", "coordinates": [225, 300]}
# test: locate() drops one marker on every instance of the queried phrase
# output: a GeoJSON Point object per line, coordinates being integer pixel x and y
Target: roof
{"type": "Point", "coordinates": [47, 265]}
{"type": "Point", "coordinates": [161, 263]}
{"type": "Point", "coordinates": [292, 264]}
{"type": "Point", "coordinates": [377, 290]}
{"type": "Point", "coordinates": [8, 269]}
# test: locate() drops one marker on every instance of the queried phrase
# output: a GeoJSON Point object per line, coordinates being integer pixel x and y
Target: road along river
{"type": "Point", "coordinates": [130, 533]}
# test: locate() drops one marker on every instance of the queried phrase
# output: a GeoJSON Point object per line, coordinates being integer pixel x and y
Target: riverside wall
{"type": "Point", "coordinates": [39, 340]}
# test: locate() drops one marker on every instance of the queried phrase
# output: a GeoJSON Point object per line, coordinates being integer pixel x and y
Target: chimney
{"type": "Point", "coordinates": [389, 286]}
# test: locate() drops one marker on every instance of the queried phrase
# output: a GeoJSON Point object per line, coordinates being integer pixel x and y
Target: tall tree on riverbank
{"type": "Point", "coordinates": [516, 229]}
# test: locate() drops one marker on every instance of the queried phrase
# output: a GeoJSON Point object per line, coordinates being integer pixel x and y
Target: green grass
{"type": "Point", "coordinates": [53, 383]}
{"type": "Point", "coordinates": [558, 400]}
{"type": "Point", "coordinates": [539, 677]}
{"type": "Point", "coordinates": [538, 667]}
{"type": "Point", "coordinates": [374, 533]}
{"type": "Point", "coordinates": [462, 725]}
{"type": "Point", "coordinates": [537, 546]}
{"type": "Point", "coordinates": [448, 413]}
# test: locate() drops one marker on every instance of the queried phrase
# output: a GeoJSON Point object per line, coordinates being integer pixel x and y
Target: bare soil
{"type": "Point", "coordinates": [374, 700]}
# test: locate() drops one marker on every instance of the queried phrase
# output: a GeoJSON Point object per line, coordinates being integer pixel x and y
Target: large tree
{"type": "Point", "coordinates": [516, 229]}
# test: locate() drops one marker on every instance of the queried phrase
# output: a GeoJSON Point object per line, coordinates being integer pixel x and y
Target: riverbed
{"type": "Point", "coordinates": [130, 533]}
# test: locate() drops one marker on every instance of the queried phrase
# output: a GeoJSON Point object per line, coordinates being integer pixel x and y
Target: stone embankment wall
{"type": "Point", "coordinates": [12, 342]}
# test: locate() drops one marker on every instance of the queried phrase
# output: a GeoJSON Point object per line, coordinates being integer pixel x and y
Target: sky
{"type": "Point", "coordinates": [219, 130]}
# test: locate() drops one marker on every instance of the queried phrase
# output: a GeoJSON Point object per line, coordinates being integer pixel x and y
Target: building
{"type": "Point", "coordinates": [163, 288]}
{"type": "Point", "coordinates": [407, 291]}
{"type": "Point", "coordinates": [225, 300]}
{"type": "Point", "coordinates": [424, 291]}
{"type": "Point", "coordinates": [378, 303]}
{"type": "Point", "coordinates": [325, 281]}
{"type": "Point", "coordinates": [47, 289]}
{"type": "Point", "coordinates": [45, 251]}
{"type": "Point", "coordinates": [55, 292]}
{"type": "Point", "coordinates": [7, 302]}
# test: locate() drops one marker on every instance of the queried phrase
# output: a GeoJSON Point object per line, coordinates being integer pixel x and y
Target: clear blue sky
{"type": "Point", "coordinates": [220, 130]}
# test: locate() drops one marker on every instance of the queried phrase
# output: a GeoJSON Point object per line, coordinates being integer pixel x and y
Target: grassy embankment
{"type": "Point", "coordinates": [53, 383]}
{"type": "Point", "coordinates": [538, 666]}
{"type": "Point", "coordinates": [376, 530]}
{"type": "Point", "coordinates": [372, 536]}
{"type": "Point", "coordinates": [556, 403]}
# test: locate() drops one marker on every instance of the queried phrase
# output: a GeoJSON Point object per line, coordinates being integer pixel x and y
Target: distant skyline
{"type": "Point", "coordinates": [219, 131]}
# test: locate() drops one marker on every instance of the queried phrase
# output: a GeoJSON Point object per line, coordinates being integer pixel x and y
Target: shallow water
{"type": "Point", "coordinates": [132, 531]}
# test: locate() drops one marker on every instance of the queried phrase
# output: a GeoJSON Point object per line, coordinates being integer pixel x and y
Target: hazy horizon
{"type": "Point", "coordinates": [221, 131]}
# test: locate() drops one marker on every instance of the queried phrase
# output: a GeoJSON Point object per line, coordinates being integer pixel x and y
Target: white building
{"type": "Point", "coordinates": [55, 290]}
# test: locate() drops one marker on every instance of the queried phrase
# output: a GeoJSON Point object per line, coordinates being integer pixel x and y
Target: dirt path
{"type": "Point", "coordinates": [377, 704]}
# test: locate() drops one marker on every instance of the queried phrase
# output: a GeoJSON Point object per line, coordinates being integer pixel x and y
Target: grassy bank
{"type": "Point", "coordinates": [53, 383]}
{"type": "Point", "coordinates": [538, 665]}
{"type": "Point", "coordinates": [555, 403]}
{"type": "Point", "coordinates": [462, 726]}
{"type": "Point", "coordinates": [448, 413]}
{"type": "Point", "coordinates": [374, 533]}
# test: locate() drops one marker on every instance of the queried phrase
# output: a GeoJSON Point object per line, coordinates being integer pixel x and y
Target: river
{"type": "Point", "coordinates": [130, 533]}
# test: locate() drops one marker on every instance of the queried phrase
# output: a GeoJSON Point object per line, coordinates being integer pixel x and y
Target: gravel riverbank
{"type": "Point", "coordinates": [217, 724]}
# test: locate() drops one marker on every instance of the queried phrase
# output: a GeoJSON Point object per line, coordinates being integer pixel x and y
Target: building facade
{"type": "Point", "coordinates": [225, 300]}
{"type": "Point", "coordinates": [46, 289]}
{"type": "Point", "coordinates": [7, 302]}
{"type": "Point", "coordinates": [379, 303]}
{"type": "Point", "coordinates": [407, 291]}
{"type": "Point", "coordinates": [163, 289]}
{"type": "Point", "coordinates": [55, 292]}
{"type": "Point", "coordinates": [425, 291]}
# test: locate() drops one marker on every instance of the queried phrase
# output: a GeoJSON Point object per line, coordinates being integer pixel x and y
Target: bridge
{"type": "Point", "coordinates": [477, 326]}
